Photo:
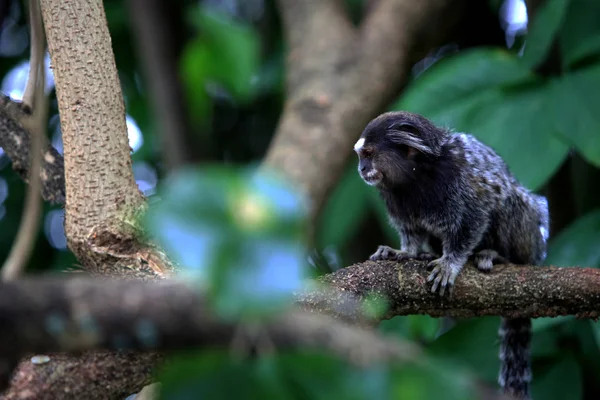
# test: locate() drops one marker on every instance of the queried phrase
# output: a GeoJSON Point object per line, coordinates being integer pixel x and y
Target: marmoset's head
{"type": "Point", "coordinates": [395, 146]}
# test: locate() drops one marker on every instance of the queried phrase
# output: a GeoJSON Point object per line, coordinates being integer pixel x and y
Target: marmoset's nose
{"type": "Point", "coordinates": [363, 168]}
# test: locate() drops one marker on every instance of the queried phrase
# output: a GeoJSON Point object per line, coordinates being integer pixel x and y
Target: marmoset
{"type": "Point", "coordinates": [452, 199]}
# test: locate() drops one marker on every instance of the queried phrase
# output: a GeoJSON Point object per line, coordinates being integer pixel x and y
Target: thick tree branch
{"type": "Point", "coordinates": [77, 315]}
{"type": "Point", "coordinates": [102, 196]}
{"type": "Point", "coordinates": [339, 77]}
{"type": "Point", "coordinates": [508, 291]}
{"type": "Point", "coordinates": [97, 375]}
{"type": "Point", "coordinates": [89, 314]}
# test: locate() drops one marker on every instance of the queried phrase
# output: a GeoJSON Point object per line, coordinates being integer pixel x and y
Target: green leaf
{"type": "Point", "coordinates": [578, 244]}
{"type": "Point", "coordinates": [459, 81]}
{"type": "Point", "coordinates": [492, 95]}
{"type": "Point", "coordinates": [227, 53]}
{"type": "Point", "coordinates": [420, 328]}
{"type": "Point", "coordinates": [540, 324]}
{"type": "Point", "coordinates": [579, 37]}
{"type": "Point", "coordinates": [561, 381]}
{"type": "Point", "coordinates": [234, 48]}
{"type": "Point", "coordinates": [324, 377]}
{"type": "Point", "coordinates": [576, 101]}
{"type": "Point", "coordinates": [439, 380]}
{"type": "Point", "coordinates": [472, 343]}
{"type": "Point", "coordinates": [344, 210]}
{"type": "Point", "coordinates": [213, 375]}
{"type": "Point", "coordinates": [516, 126]}
{"type": "Point", "coordinates": [238, 233]}
{"type": "Point", "coordinates": [543, 30]}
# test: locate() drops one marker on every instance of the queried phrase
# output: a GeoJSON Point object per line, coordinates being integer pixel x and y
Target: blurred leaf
{"type": "Point", "coordinates": [492, 95]}
{"type": "Point", "coordinates": [540, 324]}
{"type": "Point", "coordinates": [515, 127]}
{"type": "Point", "coordinates": [578, 244]}
{"type": "Point", "coordinates": [227, 52]}
{"type": "Point", "coordinates": [213, 375]}
{"type": "Point", "coordinates": [546, 344]}
{"type": "Point", "coordinates": [238, 233]}
{"type": "Point", "coordinates": [317, 376]}
{"type": "Point", "coordinates": [196, 70]}
{"type": "Point", "coordinates": [441, 381]}
{"type": "Point", "coordinates": [579, 37]}
{"type": "Point", "coordinates": [375, 306]}
{"type": "Point", "coordinates": [454, 84]}
{"type": "Point", "coordinates": [344, 210]}
{"type": "Point", "coordinates": [473, 343]}
{"type": "Point", "coordinates": [561, 381]}
{"type": "Point", "coordinates": [422, 328]}
{"type": "Point", "coordinates": [576, 99]}
{"type": "Point", "coordinates": [543, 29]}
{"type": "Point", "coordinates": [233, 51]}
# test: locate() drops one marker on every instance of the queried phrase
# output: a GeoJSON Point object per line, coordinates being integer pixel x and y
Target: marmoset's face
{"type": "Point", "coordinates": [383, 163]}
{"type": "Point", "coordinates": [367, 167]}
{"type": "Point", "coordinates": [393, 148]}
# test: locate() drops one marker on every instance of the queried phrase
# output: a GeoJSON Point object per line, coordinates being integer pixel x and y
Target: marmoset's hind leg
{"type": "Point", "coordinates": [484, 260]}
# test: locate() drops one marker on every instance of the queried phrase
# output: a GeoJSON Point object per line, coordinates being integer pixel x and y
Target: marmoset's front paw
{"type": "Point", "coordinates": [387, 253]}
{"type": "Point", "coordinates": [443, 275]}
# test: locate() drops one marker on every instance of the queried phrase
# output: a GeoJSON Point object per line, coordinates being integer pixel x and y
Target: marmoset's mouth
{"type": "Point", "coordinates": [372, 177]}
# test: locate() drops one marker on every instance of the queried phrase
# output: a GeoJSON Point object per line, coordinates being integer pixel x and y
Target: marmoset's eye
{"type": "Point", "coordinates": [408, 128]}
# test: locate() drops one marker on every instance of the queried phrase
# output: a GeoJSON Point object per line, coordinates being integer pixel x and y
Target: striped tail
{"type": "Point", "coordinates": [515, 368]}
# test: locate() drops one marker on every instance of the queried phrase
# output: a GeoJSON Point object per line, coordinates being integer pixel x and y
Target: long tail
{"type": "Point", "coordinates": [515, 368]}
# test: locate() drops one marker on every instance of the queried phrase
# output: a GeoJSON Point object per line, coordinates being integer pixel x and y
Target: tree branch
{"type": "Point", "coordinates": [90, 314]}
{"type": "Point", "coordinates": [15, 139]}
{"type": "Point", "coordinates": [97, 375]}
{"type": "Point", "coordinates": [339, 77]}
{"type": "Point", "coordinates": [509, 291]}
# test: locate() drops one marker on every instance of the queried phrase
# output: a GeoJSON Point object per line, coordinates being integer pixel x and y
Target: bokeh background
{"type": "Point", "coordinates": [531, 89]}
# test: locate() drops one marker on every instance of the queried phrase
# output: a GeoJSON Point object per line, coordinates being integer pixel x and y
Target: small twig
{"type": "Point", "coordinates": [36, 99]}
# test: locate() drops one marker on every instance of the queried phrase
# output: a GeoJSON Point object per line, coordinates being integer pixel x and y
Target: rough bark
{"type": "Point", "coordinates": [101, 192]}
{"type": "Point", "coordinates": [15, 139]}
{"type": "Point", "coordinates": [339, 77]}
{"type": "Point", "coordinates": [101, 195]}
{"type": "Point", "coordinates": [97, 375]}
{"type": "Point", "coordinates": [90, 314]}
{"type": "Point", "coordinates": [508, 291]}
{"type": "Point", "coordinates": [179, 318]}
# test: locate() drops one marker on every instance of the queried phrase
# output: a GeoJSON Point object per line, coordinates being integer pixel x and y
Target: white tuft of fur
{"type": "Point", "coordinates": [359, 144]}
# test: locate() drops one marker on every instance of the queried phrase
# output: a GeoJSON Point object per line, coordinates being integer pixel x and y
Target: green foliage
{"type": "Point", "coordinates": [472, 343]}
{"type": "Point", "coordinates": [579, 37]}
{"type": "Point", "coordinates": [303, 376]}
{"type": "Point", "coordinates": [239, 234]}
{"type": "Point", "coordinates": [543, 30]}
{"type": "Point", "coordinates": [237, 237]}
{"type": "Point", "coordinates": [492, 94]}
{"type": "Point", "coordinates": [420, 328]}
{"type": "Point", "coordinates": [576, 98]}
{"type": "Point", "coordinates": [559, 380]}
{"type": "Point", "coordinates": [578, 243]}
{"type": "Point", "coordinates": [345, 209]}
{"type": "Point", "coordinates": [226, 53]}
